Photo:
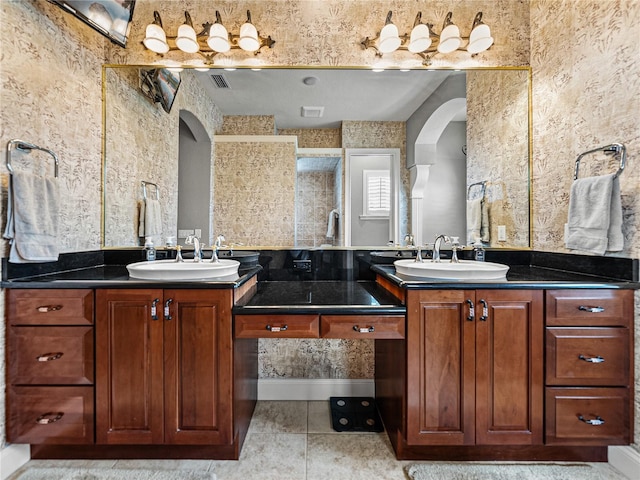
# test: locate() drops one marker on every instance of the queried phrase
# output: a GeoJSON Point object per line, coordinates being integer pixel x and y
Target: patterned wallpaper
{"type": "Point", "coordinates": [501, 148]}
{"type": "Point", "coordinates": [315, 198]}
{"type": "Point", "coordinates": [586, 89]}
{"type": "Point", "coordinates": [248, 125]}
{"type": "Point", "coordinates": [254, 191]}
{"type": "Point", "coordinates": [314, 137]}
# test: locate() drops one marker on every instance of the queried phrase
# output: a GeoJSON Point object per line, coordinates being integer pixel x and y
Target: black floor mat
{"type": "Point", "coordinates": [355, 414]}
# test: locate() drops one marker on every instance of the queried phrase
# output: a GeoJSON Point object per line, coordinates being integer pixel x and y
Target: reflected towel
{"type": "Point", "coordinates": [477, 221]}
{"type": "Point", "coordinates": [331, 227]}
{"type": "Point", "coordinates": [595, 215]}
{"type": "Point", "coordinates": [32, 218]}
{"type": "Point", "coordinates": [150, 222]}
{"type": "Point", "coordinates": [485, 230]}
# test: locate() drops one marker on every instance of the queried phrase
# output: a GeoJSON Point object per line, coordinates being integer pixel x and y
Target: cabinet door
{"type": "Point", "coordinates": [440, 368]}
{"type": "Point", "coordinates": [198, 367]}
{"type": "Point", "coordinates": [509, 367]}
{"type": "Point", "coordinates": [129, 370]}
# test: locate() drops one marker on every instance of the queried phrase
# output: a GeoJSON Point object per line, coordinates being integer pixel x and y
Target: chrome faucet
{"type": "Point", "coordinates": [436, 246]}
{"type": "Point", "coordinates": [216, 247]}
{"type": "Point", "coordinates": [455, 246]}
{"type": "Point", "coordinates": [197, 249]}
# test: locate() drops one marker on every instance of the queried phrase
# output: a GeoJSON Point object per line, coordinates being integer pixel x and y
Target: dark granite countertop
{"type": "Point", "coordinates": [327, 297]}
{"type": "Point", "coordinates": [518, 276]}
{"type": "Point", "coordinates": [117, 276]}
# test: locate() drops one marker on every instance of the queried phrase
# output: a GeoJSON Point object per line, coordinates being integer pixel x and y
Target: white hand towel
{"type": "Point", "coordinates": [152, 217]}
{"type": "Point", "coordinates": [474, 220]}
{"type": "Point", "coordinates": [32, 218]}
{"type": "Point", "coordinates": [331, 227]}
{"type": "Point", "coordinates": [485, 228]}
{"type": "Point", "coordinates": [141, 210]}
{"type": "Point", "coordinates": [595, 215]}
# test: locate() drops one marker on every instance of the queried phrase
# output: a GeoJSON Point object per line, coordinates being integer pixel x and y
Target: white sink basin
{"type": "Point", "coordinates": [465, 270]}
{"type": "Point", "coordinates": [170, 270]}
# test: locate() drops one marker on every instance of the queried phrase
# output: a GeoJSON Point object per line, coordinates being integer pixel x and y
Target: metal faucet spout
{"type": "Point", "coordinates": [197, 249]}
{"type": "Point", "coordinates": [436, 246]}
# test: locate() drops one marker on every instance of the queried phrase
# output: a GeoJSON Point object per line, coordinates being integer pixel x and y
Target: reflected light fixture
{"type": "Point", "coordinates": [211, 40]}
{"type": "Point", "coordinates": [424, 42]}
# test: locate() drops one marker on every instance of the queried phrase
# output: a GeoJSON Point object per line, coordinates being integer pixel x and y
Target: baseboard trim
{"type": "Point", "coordinates": [313, 389]}
{"type": "Point", "coordinates": [626, 460]}
{"type": "Point", "coordinates": [12, 457]}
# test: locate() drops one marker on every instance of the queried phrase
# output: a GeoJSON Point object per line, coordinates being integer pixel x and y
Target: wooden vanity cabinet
{"type": "Point", "coordinates": [589, 347]}
{"type": "Point", "coordinates": [474, 367]}
{"type": "Point", "coordinates": [164, 367]}
{"type": "Point", "coordinates": [50, 366]}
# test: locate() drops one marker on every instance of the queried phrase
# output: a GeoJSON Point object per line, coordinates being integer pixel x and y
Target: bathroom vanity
{"type": "Point", "coordinates": [536, 366]}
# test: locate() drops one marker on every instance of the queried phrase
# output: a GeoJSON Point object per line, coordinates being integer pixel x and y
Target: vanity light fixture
{"type": "Point", "coordinates": [425, 42]}
{"type": "Point", "coordinates": [211, 40]}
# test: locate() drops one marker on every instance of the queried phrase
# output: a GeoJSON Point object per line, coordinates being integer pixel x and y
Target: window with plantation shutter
{"type": "Point", "coordinates": [376, 193]}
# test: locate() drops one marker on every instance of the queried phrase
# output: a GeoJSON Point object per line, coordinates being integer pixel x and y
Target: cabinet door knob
{"type": "Point", "coordinates": [369, 329]}
{"type": "Point", "coordinates": [472, 310]}
{"type": "Point", "coordinates": [590, 309]}
{"type": "Point", "coordinates": [277, 329]}
{"type": "Point", "coordinates": [167, 311]}
{"type": "Point", "coordinates": [49, 417]}
{"type": "Point", "coordinates": [595, 422]}
{"type": "Point", "coordinates": [48, 308]}
{"type": "Point", "coordinates": [596, 359]}
{"type": "Point", "coordinates": [48, 357]}
{"type": "Point", "coordinates": [485, 311]}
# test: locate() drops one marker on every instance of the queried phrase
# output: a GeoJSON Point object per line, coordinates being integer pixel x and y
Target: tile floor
{"type": "Point", "coordinates": [287, 440]}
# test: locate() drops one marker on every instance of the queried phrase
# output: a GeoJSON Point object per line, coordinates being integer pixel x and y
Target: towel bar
{"type": "Point", "coordinates": [483, 186]}
{"type": "Point", "coordinates": [16, 144]}
{"type": "Point", "coordinates": [613, 149]}
{"type": "Point", "coordinates": [144, 189]}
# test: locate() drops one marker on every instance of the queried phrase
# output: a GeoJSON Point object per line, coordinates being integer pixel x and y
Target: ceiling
{"type": "Point", "coordinates": [344, 94]}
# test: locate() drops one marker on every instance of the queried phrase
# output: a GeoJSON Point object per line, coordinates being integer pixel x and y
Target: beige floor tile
{"type": "Point", "coordinates": [267, 456]}
{"type": "Point", "coordinates": [70, 463]}
{"type": "Point", "coordinates": [198, 465]}
{"type": "Point", "coordinates": [279, 417]}
{"type": "Point", "coordinates": [353, 457]}
{"type": "Point", "coordinates": [319, 418]}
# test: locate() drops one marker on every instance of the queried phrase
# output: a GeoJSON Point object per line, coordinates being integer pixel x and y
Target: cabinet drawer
{"type": "Point", "coordinates": [277, 326]}
{"type": "Point", "coordinates": [51, 355]}
{"type": "Point", "coordinates": [589, 307]}
{"type": "Point", "coordinates": [54, 415]}
{"type": "Point", "coordinates": [362, 326]}
{"type": "Point", "coordinates": [569, 409]}
{"type": "Point", "coordinates": [588, 356]}
{"type": "Point", "coordinates": [50, 307]}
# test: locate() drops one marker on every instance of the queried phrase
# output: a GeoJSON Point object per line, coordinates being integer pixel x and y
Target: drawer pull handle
{"type": "Point", "coordinates": [49, 417]}
{"type": "Point", "coordinates": [596, 359]}
{"type": "Point", "coordinates": [472, 311]}
{"type": "Point", "coordinates": [485, 311]}
{"type": "Point", "coordinates": [277, 329]}
{"type": "Point", "coordinates": [595, 422]}
{"type": "Point", "coordinates": [48, 308]}
{"type": "Point", "coordinates": [587, 308]}
{"type": "Point", "coordinates": [48, 357]}
{"type": "Point", "coordinates": [370, 329]}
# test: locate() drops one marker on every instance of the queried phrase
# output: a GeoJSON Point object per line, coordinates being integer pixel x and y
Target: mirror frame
{"type": "Point", "coordinates": [527, 68]}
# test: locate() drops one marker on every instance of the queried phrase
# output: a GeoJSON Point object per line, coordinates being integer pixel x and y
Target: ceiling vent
{"type": "Point", "coordinates": [312, 112]}
{"type": "Point", "coordinates": [219, 81]}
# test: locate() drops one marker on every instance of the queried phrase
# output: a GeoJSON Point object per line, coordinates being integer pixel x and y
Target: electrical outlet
{"type": "Point", "coordinates": [184, 233]}
{"type": "Point", "coordinates": [302, 265]}
{"type": "Point", "coordinates": [502, 233]}
{"type": "Point", "coordinates": [198, 232]}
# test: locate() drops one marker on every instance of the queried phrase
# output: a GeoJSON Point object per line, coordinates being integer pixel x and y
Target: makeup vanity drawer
{"type": "Point", "coordinates": [49, 307]}
{"type": "Point", "coordinates": [587, 356]}
{"type": "Point", "coordinates": [276, 326]}
{"type": "Point", "coordinates": [362, 326]}
{"type": "Point", "coordinates": [50, 355]}
{"type": "Point", "coordinates": [60, 415]}
{"type": "Point", "coordinates": [598, 307]}
{"type": "Point", "coordinates": [587, 416]}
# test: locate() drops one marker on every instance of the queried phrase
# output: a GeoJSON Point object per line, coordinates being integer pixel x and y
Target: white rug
{"type": "Point", "coordinates": [511, 471]}
{"type": "Point", "coordinates": [55, 473]}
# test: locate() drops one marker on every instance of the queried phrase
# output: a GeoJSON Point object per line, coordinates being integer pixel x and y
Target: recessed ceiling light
{"type": "Point", "coordinates": [312, 112]}
{"type": "Point", "coordinates": [310, 80]}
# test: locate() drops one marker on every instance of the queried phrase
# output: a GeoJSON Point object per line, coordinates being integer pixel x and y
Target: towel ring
{"type": "Point", "coordinates": [26, 147]}
{"type": "Point", "coordinates": [483, 186]}
{"type": "Point", "coordinates": [613, 149]}
{"type": "Point", "coordinates": [144, 189]}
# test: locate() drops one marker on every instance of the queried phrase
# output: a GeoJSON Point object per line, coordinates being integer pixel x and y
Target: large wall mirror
{"type": "Point", "coordinates": [262, 156]}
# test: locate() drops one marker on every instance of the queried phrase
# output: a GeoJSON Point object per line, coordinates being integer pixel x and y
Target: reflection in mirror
{"type": "Point", "coordinates": [252, 181]}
